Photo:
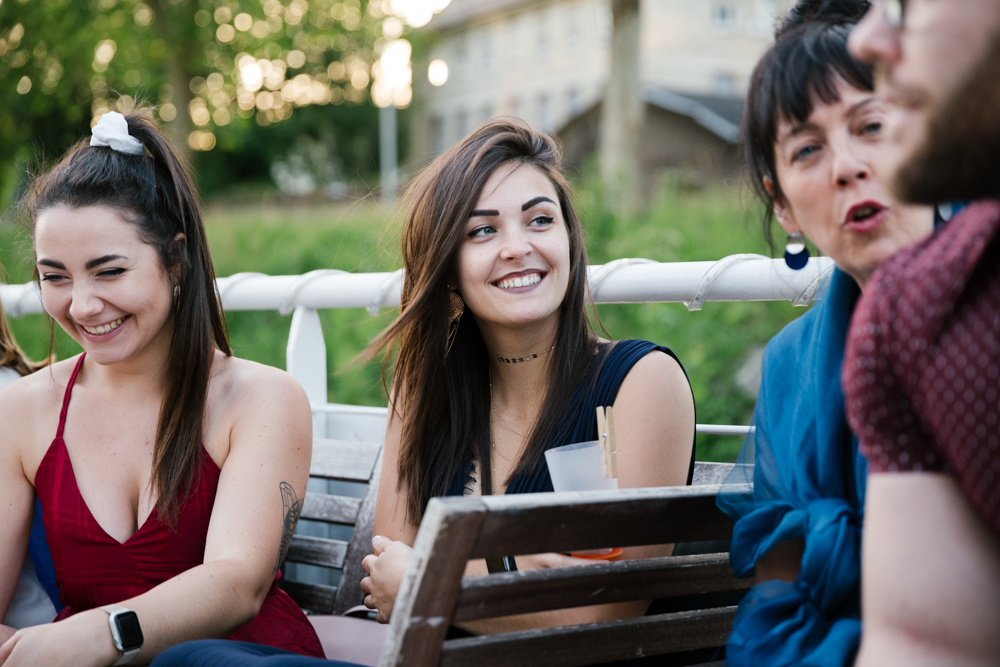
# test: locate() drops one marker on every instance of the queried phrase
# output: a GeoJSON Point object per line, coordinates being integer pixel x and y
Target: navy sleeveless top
{"type": "Point", "coordinates": [598, 388]}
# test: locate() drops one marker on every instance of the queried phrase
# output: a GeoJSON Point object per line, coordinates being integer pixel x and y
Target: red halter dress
{"type": "Point", "coordinates": [94, 569]}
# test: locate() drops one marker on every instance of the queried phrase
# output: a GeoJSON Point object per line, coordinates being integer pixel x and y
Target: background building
{"type": "Point", "coordinates": [547, 61]}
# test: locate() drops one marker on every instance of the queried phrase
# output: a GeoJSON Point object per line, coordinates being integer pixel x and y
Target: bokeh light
{"type": "Point", "coordinates": [437, 72]}
{"type": "Point", "coordinates": [200, 140]}
{"type": "Point", "coordinates": [393, 75]}
{"type": "Point", "coordinates": [416, 13]}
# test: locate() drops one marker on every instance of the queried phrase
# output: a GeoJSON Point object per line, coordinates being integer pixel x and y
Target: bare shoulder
{"type": "Point", "coordinates": [35, 394]}
{"type": "Point", "coordinates": [242, 380]}
{"type": "Point", "coordinates": [29, 406]}
{"type": "Point", "coordinates": [656, 370]}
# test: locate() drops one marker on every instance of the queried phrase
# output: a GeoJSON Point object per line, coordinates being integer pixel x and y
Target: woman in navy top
{"type": "Point", "coordinates": [496, 360]}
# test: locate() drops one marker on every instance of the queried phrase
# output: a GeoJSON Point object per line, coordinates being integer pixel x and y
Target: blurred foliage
{"type": "Point", "coordinates": [242, 83]}
{"type": "Point", "coordinates": [681, 225]}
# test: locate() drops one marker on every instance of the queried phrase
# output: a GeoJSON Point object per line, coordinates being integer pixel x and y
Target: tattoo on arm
{"type": "Point", "coordinates": [291, 507]}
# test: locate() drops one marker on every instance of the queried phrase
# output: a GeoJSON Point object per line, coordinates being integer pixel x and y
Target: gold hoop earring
{"type": "Point", "coordinates": [456, 306]}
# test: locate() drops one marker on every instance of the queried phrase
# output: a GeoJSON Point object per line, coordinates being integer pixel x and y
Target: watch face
{"type": "Point", "coordinates": [129, 630]}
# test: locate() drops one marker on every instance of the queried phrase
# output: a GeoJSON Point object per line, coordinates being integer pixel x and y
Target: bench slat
{"type": "Point", "coordinates": [604, 582]}
{"type": "Point", "coordinates": [594, 643]}
{"type": "Point", "coordinates": [709, 474]}
{"type": "Point", "coordinates": [317, 598]}
{"type": "Point", "coordinates": [345, 460]}
{"type": "Point", "coordinates": [317, 551]}
{"type": "Point", "coordinates": [350, 594]}
{"type": "Point", "coordinates": [331, 509]}
{"type": "Point", "coordinates": [540, 523]}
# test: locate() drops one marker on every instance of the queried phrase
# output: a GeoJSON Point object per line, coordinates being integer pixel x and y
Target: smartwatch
{"type": "Point", "coordinates": [125, 631]}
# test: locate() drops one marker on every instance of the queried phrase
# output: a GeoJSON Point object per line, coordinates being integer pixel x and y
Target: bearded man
{"type": "Point", "coordinates": [922, 369]}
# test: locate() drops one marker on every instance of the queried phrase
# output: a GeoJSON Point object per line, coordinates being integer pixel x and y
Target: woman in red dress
{"type": "Point", "coordinates": [170, 473]}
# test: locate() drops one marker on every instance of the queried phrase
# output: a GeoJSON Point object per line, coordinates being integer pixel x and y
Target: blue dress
{"type": "Point", "coordinates": [809, 483]}
{"type": "Point", "coordinates": [598, 388]}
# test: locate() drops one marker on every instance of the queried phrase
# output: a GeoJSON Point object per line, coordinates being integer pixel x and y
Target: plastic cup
{"type": "Point", "coordinates": [579, 467]}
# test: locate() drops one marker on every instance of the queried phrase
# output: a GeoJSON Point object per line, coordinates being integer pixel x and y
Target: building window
{"type": "Point", "coordinates": [573, 104]}
{"type": "Point", "coordinates": [543, 40]}
{"type": "Point", "coordinates": [724, 85]}
{"type": "Point", "coordinates": [604, 21]}
{"type": "Point", "coordinates": [544, 113]}
{"type": "Point", "coordinates": [767, 16]}
{"type": "Point", "coordinates": [723, 16]}
{"type": "Point", "coordinates": [515, 108]}
{"type": "Point", "coordinates": [437, 135]}
{"type": "Point", "coordinates": [460, 56]}
{"type": "Point", "coordinates": [513, 46]}
{"type": "Point", "coordinates": [486, 51]}
{"type": "Point", "coordinates": [573, 32]}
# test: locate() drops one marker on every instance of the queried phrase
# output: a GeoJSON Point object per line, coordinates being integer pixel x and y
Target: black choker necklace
{"type": "Point", "coordinates": [518, 360]}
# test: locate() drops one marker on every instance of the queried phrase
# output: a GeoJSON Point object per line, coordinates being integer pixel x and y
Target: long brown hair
{"type": "Point", "coordinates": [11, 355]}
{"type": "Point", "coordinates": [447, 409]}
{"type": "Point", "coordinates": [153, 192]}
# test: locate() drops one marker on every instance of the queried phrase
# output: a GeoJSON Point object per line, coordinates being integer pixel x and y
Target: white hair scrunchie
{"type": "Point", "coordinates": [112, 131]}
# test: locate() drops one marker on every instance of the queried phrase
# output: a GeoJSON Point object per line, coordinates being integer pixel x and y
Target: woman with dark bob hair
{"type": "Point", "coordinates": [813, 135]}
{"type": "Point", "coordinates": [496, 361]}
{"type": "Point", "coordinates": [169, 472]}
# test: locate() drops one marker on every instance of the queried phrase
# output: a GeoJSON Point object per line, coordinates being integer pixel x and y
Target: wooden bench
{"type": "Point", "coordinates": [434, 594]}
{"type": "Point", "coordinates": [350, 470]}
{"type": "Point", "coordinates": [337, 461]}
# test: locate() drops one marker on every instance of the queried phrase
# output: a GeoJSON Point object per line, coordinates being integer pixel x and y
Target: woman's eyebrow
{"type": "Point", "coordinates": [488, 212]}
{"type": "Point", "coordinates": [537, 200]}
{"type": "Point", "coordinates": [860, 106]}
{"type": "Point", "coordinates": [51, 262]}
{"type": "Point", "coordinates": [103, 260]}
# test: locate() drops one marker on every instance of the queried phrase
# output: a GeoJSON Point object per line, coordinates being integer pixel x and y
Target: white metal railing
{"type": "Point", "coordinates": [734, 278]}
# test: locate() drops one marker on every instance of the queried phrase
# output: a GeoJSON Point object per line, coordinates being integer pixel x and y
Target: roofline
{"type": "Point", "coordinates": [447, 21]}
{"type": "Point", "coordinates": [696, 111]}
{"type": "Point", "coordinates": [682, 106]}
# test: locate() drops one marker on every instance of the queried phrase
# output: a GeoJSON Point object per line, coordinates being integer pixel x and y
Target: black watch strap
{"type": "Point", "coordinates": [501, 564]}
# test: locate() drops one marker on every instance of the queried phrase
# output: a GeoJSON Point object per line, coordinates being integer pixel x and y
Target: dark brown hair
{"type": "Point", "coordinates": [809, 54]}
{"type": "Point", "coordinates": [11, 355]}
{"type": "Point", "coordinates": [153, 192]}
{"type": "Point", "coordinates": [447, 400]}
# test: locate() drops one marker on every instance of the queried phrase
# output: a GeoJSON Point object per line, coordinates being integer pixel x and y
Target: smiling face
{"type": "Point", "coordinates": [103, 284]}
{"type": "Point", "coordinates": [513, 266]}
{"type": "Point", "coordinates": [830, 193]}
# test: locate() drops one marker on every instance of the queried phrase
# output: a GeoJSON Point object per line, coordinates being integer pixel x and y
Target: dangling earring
{"type": "Point", "coordinates": [796, 252]}
{"type": "Point", "coordinates": [456, 306]}
{"type": "Point", "coordinates": [177, 291]}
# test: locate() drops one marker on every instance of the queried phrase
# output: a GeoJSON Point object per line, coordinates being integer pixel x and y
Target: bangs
{"type": "Point", "coordinates": [809, 67]}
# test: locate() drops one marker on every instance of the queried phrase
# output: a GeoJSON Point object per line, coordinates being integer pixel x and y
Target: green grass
{"type": "Point", "coordinates": [678, 226]}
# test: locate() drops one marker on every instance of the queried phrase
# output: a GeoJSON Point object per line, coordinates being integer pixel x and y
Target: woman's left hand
{"type": "Point", "coordinates": [83, 640]}
{"type": "Point", "coordinates": [385, 569]}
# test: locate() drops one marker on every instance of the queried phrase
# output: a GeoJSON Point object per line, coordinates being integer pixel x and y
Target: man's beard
{"type": "Point", "coordinates": [959, 159]}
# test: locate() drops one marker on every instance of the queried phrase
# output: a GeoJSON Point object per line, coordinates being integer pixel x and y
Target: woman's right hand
{"type": "Point", "coordinates": [83, 640]}
{"type": "Point", "coordinates": [385, 568]}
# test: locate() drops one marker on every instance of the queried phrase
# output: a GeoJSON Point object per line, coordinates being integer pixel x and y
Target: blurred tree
{"type": "Point", "coordinates": [622, 112]}
{"type": "Point", "coordinates": [222, 74]}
